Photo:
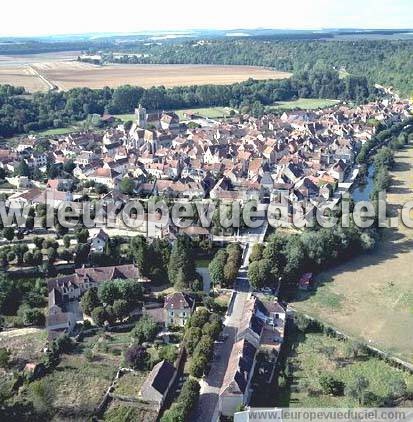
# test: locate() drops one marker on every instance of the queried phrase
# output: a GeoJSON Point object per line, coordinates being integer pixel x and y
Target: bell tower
{"type": "Point", "coordinates": [141, 116]}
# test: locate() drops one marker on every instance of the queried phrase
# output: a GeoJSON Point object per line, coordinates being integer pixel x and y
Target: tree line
{"type": "Point", "coordinates": [21, 114]}
{"type": "Point", "coordinates": [388, 62]}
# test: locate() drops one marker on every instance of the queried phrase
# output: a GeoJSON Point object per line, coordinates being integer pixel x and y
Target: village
{"type": "Point", "coordinates": [300, 159]}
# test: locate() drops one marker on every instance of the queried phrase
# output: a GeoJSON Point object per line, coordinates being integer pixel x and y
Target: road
{"type": "Point", "coordinates": [207, 409]}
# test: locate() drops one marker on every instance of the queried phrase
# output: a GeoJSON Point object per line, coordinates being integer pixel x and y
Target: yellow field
{"type": "Point", "coordinates": [61, 70]}
{"type": "Point", "coordinates": [68, 75]}
{"type": "Point", "coordinates": [22, 76]}
{"type": "Point", "coordinates": [371, 297]}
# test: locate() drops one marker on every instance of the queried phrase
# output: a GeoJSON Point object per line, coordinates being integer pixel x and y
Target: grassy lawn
{"type": "Point", "coordinates": [303, 104]}
{"type": "Point", "coordinates": [24, 343]}
{"type": "Point", "coordinates": [77, 385]}
{"type": "Point", "coordinates": [209, 112]}
{"type": "Point", "coordinates": [58, 131]}
{"type": "Point", "coordinates": [121, 412]}
{"type": "Point", "coordinates": [126, 117]}
{"type": "Point", "coordinates": [130, 383]}
{"type": "Point", "coordinates": [371, 297]}
{"type": "Point", "coordinates": [315, 354]}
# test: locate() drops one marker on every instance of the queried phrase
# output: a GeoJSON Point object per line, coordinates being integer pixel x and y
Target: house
{"type": "Point", "coordinates": [58, 319]}
{"type": "Point", "coordinates": [98, 241]}
{"type": "Point", "coordinates": [306, 281]}
{"type": "Point", "coordinates": [178, 308]}
{"type": "Point", "coordinates": [235, 390]}
{"type": "Point", "coordinates": [155, 388]}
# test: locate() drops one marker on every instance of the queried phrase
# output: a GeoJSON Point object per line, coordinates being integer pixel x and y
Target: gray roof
{"type": "Point", "coordinates": [157, 382]}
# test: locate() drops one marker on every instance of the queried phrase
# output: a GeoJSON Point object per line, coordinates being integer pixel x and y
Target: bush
{"type": "Point", "coordinates": [331, 385]}
{"type": "Point", "coordinates": [137, 357]}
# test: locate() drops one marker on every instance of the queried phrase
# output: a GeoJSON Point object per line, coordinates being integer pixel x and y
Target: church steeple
{"type": "Point", "coordinates": [141, 116]}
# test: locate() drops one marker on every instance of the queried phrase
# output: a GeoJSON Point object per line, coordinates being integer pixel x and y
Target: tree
{"type": "Point", "coordinates": [145, 330]}
{"type": "Point", "coordinates": [198, 365]}
{"type": "Point", "coordinates": [182, 259]}
{"type": "Point", "coordinates": [120, 308]}
{"type": "Point", "coordinates": [60, 230]}
{"type": "Point", "coordinates": [139, 250]}
{"type": "Point", "coordinates": [8, 233]}
{"type": "Point", "coordinates": [199, 318]}
{"type": "Point", "coordinates": [37, 258]}
{"type": "Point", "coordinates": [257, 252]}
{"type": "Point", "coordinates": [66, 241]}
{"type": "Point", "coordinates": [23, 169]}
{"type": "Point", "coordinates": [108, 292]}
{"type": "Point", "coordinates": [192, 337]}
{"type": "Point", "coordinates": [357, 389]}
{"type": "Point", "coordinates": [90, 301]}
{"type": "Point", "coordinates": [32, 316]}
{"type": "Point", "coordinates": [130, 290]}
{"type": "Point", "coordinates": [28, 258]}
{"type": "Point", "coordinates": [38, 242]}
{"type": "Point", "coordinates": [4, 357]}
{"type": "Point", "coordinates": [136, 357]}
{"type": "Point", "coordinates": [259, 273]}
{"type": "Point", "coordinates": [331, 385]}
{"type": "Point", "coordinates": [127, 186]}
{"type": "Point", "coordinates": [168, 352]}
{"type": "Point", "coordinates": [99, 315]}
{"type": "Point", "coordinates": [82, 235]}
{"type": "Point", "coordinates": [66, 255]}
{"type": "Point", "coordinates": [397, 387]}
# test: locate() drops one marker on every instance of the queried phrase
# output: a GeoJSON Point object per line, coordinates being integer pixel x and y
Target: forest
{"type": "Point", "coordinates": [20, 113]}
{"type": "Point", "coordinates": [387, 62]}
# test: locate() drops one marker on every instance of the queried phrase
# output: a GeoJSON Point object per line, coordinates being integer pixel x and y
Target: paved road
{"type": "Point", "coordinates": [207, 409]}
{"type": "Point", "coordinates": [208, 401]}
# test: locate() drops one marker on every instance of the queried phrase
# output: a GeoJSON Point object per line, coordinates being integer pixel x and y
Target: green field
{"type": "Point", "coordinates": [312, 355]}
{"type": "Point", "coordinates": [58, 131]}
{"type": "Point", "coordinates": [303, 104]}
{"type": "Point", "coordinates": [371, 296]}
{"type": "Point", "coordinates": [126, 117]}
{"type": "Point", "coordinates": [209, 112]}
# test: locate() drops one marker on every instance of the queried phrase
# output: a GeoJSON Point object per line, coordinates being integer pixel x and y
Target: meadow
{"type": "Point", "coordinates": [371, 296]}
{"type": "Point", "coordinates": [313, 356]}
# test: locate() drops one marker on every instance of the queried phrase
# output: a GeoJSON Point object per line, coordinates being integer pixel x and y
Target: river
{"type": "Point", "coordinates": [361, 192]}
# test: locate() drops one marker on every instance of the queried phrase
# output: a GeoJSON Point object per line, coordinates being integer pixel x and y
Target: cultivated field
{"type": "Point", "coordinates": [66, 75]}
{"type": "Point", "coordinates": [22, 76]}
{"type": "Point", "coordinates": [371, 297]}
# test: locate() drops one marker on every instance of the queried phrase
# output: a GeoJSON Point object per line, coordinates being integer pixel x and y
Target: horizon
{"type": "Point", "coordinates": [175, 31]}
{"type": "Point", "coordinates": [129, 17]}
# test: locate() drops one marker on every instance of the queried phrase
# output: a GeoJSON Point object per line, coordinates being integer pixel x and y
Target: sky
{"type": "Point", "coordinates": [51, 17]}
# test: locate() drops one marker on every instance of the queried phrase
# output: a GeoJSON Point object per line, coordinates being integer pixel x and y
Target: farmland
{"type": "Point", "coordinates": [371, 297]}
{"type": "Point", "coordinates": [66, 75]}
{"type": "Point", "coordinates": [63, 71]}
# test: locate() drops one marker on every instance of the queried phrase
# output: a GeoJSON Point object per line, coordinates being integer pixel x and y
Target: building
{"type": "Point", "coordinates": [65, 291]}
{"type": "Point", "coordinates": [155, 388]}
{"type": "Point", "coordinates": [178, 307]}
{"type": "Point", "coordinates": [98, 241]}
{"type": "Point", "coordinates": [261, 329]}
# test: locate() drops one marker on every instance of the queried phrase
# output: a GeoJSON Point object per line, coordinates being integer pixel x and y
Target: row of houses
{"type": "Point", "coordinates": [261, 330]}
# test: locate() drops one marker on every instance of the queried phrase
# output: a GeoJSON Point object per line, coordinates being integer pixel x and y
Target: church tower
{"type": "Point", "coordinates": [141, 116]}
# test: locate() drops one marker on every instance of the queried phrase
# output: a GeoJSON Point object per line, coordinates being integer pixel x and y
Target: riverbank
{"type": "Point", "coordinates": [371, 297]}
